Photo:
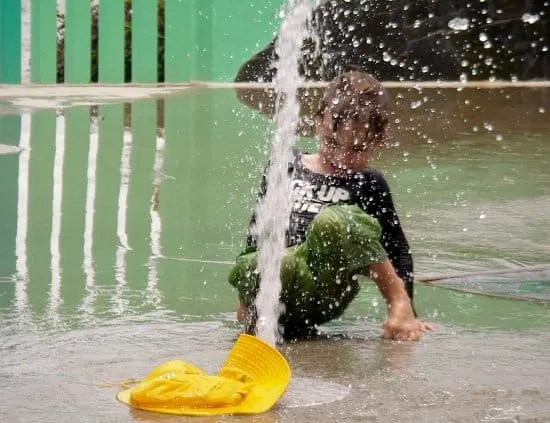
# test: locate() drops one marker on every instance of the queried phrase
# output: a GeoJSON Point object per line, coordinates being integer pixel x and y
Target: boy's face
{"type": "Point", "coordinates": [347, 148]}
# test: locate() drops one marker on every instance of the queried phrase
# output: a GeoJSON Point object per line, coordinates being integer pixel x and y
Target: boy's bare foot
{"type": "Point", "coordinates": [425, 326]}
{"type": "Point", "coordinates": [241, 313]}
{"type": "Point", "coordinates": [247, 316]}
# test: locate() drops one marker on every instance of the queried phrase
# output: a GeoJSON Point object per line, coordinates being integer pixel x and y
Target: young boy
{"type": "Point", "coordinates": [343, 223]}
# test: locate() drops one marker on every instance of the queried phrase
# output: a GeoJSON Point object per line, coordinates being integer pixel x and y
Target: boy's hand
{"type": "Point", "coordinates": [401, 324]}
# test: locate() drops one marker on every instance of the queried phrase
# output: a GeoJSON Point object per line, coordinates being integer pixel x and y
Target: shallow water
{"type": "Point", "coordinates": [116, 245]}
{"type": "Point", "coordinates": [452, 375]}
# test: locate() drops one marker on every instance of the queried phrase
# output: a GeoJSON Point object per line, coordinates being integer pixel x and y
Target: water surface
{"type": "Point", "coordinates": [118, 231]}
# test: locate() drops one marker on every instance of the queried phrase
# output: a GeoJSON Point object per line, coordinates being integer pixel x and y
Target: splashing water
{"type": "Point", "coordinates": [274, 209]}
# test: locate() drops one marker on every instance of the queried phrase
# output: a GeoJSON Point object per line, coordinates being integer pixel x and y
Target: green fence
{"type": "Point", "coordinates": [200, 39]}
{"type": "Point", "coordinates": [10, 41]}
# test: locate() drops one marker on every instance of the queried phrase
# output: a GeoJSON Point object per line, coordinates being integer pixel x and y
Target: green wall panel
{"type": "Point", "coordinates": [10, 41]}
{"type": "Point", "coordinates": [77, 41]}
{"type": "Point", "coordinates": [111, 41]}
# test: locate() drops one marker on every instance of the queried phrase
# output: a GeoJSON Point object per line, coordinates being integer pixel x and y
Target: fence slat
{"type": "Point", "coordinates": [77, 41]}
{"type": "Point", "coordinates": [180, 39]}
{"type": "Point", "coordinates": [205, 45]}
{"type": "Point", "coordinates": [10, 42]}
{"type": "Point", "coordinates": [43, 41]}
{"type": "Point", "coordinates": [144, 41]}
{"type": "Point", "coordinates": [240, 30]}
{"type": "Point", "coordinates": [111, 41]}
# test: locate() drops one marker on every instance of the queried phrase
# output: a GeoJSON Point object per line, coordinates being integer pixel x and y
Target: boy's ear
{"type": "Point", "coordinates": [379, 138]}
{"type": "Point", "coordinates": [320, 114]}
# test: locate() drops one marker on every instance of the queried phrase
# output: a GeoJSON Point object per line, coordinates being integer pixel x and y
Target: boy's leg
{"type": "Point", "coordinates": [245, 278]}
{"type": "Point", "coordinates": [342, 241]}
{"type": "Point", "coordinates": [296, 295]}
{"type": "Point", "coordinates": [317, 276]}
{"type": "Point", "coordinates": [247, 316]}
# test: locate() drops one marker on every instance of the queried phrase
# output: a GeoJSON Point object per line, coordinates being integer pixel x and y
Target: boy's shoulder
{"type": "Point", "coordinates": [372, 174]}
{"type": "Point", "coordinates": [296, 156]}
{"type": "Point", "coordinates": [375, 178]}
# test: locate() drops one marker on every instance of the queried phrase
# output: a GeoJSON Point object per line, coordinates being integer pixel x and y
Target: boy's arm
{"type": "Point", "coordinates": [393, 238]}
{"type": "Point", "coordinates": [400, 258]}
{"type": "Point", "coordinates": [401, 323]}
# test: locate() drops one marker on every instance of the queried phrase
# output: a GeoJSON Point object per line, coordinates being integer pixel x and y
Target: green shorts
{"type": "Point", "coordinates": [317, 276]}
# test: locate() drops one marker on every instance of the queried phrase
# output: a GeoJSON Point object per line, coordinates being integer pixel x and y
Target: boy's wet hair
{"type": "Point", "coordinates": [357, 95]}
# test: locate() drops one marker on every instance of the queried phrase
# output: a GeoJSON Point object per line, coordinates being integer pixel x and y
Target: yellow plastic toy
{"type": "Point", "coordinates": [252, 379]}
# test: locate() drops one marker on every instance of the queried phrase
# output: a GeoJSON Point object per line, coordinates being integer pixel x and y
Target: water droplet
{"type": "Point", "coordinates": [541, 110]}
{"type": "Point", "coordinates": [416, 104]}
{"type": "Point", "coordinates": [483, 37]}
{"type": "Point", "coordinates": [530, 19]}
{"type": "Point", "coordinates": [483, 215]}
{"type": "Point", "coordinates": [374, 302]}
{"type": "Point", "coordinates": [459, 24]}
{"type": "Point", "coordinates": [488, 126]}
{"type": "Point", "coordinates": [464, 229]}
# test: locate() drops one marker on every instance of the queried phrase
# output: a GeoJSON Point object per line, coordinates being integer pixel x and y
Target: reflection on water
{"type": "Point", "coordinates": [429, 115]}
{"type": "Point", "coordinates": [137, 207]}
{"type": "Point", "coordinates": [21, 301]}
{"type": "Point", "coordinates": [119, 233]}
{"type": "Point", "coordinates": [105, 211]}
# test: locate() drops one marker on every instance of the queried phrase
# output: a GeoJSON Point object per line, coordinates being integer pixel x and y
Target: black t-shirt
{"type": "Point", "coordinates": [367, 189]}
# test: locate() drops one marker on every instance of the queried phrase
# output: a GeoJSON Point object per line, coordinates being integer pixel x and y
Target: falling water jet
{"type": "Point", "coordinates": [274, 209]}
